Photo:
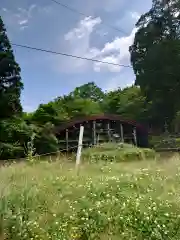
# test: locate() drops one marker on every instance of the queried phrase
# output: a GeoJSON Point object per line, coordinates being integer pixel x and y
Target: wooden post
{"type": "Point", "coordinates": [94, 132]}
{"type": "Point", "coordinates": [122, 133]}
{"type": "Point", "coordinates": [135, 136]}
{"type": "Point", "coordinates": [80, 142]}
{"type": "Point", "coordinates": [98, 139]}
{"type": "Point", "coordinates": [109, 133]}
{"type": "Point", "coordinates": [67, 140]}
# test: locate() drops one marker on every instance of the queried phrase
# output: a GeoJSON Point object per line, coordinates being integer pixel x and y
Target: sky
{"type": "Point", "coordinates": [45, 24]}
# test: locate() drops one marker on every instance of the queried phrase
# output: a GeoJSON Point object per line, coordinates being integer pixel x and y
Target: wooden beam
{"type": "Point", "coordinates": [67, 140]}
{"type": "Point", "coordinates": [98, 139]}
{"type": "Point", "coordinates": [94, 132]}
{"type": "Point", "coordinates": [109, 131]}
{"type": "Point", "coordinates": [135, 136]}
{"type": "Point", "coordinates": [122, 133]}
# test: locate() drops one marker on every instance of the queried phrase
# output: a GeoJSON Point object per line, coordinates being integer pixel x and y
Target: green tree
{"type": "Point", "coordinates": [14, 132]}
{"type": "Point", "coordinates": [128, 103]}
{"type": "Point", "coordinates": [10, 80]}
{"type": "Point", "coordinates": [52, 112]}
{"type": "Point", "coordinates": [155, 57]}
{"type": "Point", "coordinates": [45, 141]}
{"type": "Point", "coordinates": [81, 107]}
{"type": "Point", "coordinates": [14, 135]}
{"type": "Point", "coordinates": [88, 91]}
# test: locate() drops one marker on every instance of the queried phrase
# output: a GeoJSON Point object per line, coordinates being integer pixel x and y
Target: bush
{"type": "Point", "coordinates": [14, 135]}
{"type": "Point", "coordinates": [118, 153]}
{"type": "Point", "coordinates": [45, 141]}
{"type": "Point", "coordinates": [11, 151]}
{"type": "Point", "coordinates": [164, 142]}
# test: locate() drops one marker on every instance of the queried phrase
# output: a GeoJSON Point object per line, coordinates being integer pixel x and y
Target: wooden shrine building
{"type": "Point", "coordinates": [99, 129]}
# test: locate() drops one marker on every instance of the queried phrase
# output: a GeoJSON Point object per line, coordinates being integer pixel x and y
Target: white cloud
{"type": "Point", "coordinates": [24, 15]}
{"type": "Point", "coordinates": [84, 29]}
{"type": "Point", "coordinates": [20, 18]}
{"type": "Point", "coordinates": [77, 42]}
{"type": "Point", "coordinates": [4, 9]}
{"type": "Point", "coordinates": [135, 15]}
{"type": "Point", "coordinates": [23, 22]}
{"type": "Point", "coordinates": [116, 52]}
{"type": "Point", "coordinates": [27, 12]}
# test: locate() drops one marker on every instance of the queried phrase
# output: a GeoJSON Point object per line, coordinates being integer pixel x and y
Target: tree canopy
{"type": "Point", "coordinates": [10, 80]}
{"type": "Point", "coordinates": [155, 57]}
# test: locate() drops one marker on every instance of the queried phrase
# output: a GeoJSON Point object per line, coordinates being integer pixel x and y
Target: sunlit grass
{"type": "Point", "coordinates": [134, 200]}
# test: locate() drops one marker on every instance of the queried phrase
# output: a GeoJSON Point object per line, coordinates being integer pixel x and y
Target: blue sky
{"type": "Point", "coordinates": [44, 24]}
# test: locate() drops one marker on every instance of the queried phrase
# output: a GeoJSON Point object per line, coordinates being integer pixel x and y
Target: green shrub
{"type": "Point", "coordinates": [117, 153]}
{"type": "Point", "coordinates": [45, 141]}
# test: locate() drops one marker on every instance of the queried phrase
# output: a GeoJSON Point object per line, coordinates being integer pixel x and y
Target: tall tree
{"type": "Point", "coordinates": [10, 80]}
{"type": "Point", "coordinates": [155, 57]}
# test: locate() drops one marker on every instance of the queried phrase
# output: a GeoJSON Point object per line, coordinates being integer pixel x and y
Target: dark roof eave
{"type": "Point", "coordinates": [98, 117]}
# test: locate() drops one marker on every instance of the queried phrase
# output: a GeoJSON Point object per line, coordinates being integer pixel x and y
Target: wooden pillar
{"type": "Point", "coordinates": [80, 145]}
{"type": "Point", "coordinates": [109, 131]}
{"type": "Point", "coordinates": [121, 133]}
{"type": "Point", "coordinates": [94, 132]}
{"type": "Point", "coordinates": [98, 139]}
{"type": "Point", "coordinates": [135, 136]}
{"type": "Point", "coordinates": [67, 140]}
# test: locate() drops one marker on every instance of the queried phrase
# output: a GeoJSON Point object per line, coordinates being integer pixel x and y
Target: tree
{"type": "Point", "coordinates": [45, 141]}
{"type": "Point", "coordinates": [81, 107]}
{"type": "Point", "coordinates": [52, 112]}
{"type": "Point", "coordinates": [14, 132]}
{"type": "Point", "coordinates": [10, 80]}
{"type": "Point", "coordinates": [88, 91]}
{"type": "Point", "coordinates": [128, 103]}
{"type": "Point", "coordinates": [155, 57]}
{"type": "Point", "coordinates": [14, 135]}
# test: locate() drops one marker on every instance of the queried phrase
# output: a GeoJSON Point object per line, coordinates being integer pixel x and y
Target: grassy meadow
{"type": "Point", "coordinates": [107, 200]}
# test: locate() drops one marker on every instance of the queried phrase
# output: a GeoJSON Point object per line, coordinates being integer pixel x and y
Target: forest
{"type": "Point", "coordinates": [152, 100]}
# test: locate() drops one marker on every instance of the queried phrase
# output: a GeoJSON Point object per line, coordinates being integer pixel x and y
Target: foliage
{"type": "Point", "coordinates": [107, 201]}
{"type": "Point", "coordinates": [45, 113]}
{"type": "Point", "coordinates": [164, 142]}
{"type": "Point", "coordinates": [10, 80]}
{"type": "Point", "coordinates": [128, 103]}
{"type": "Point", "coordinates": [155, 59]}
{"type": "Point", "coordinates": [30, 149]}
{"type": "Point", "coordinates": [88, 91]}
{"type": "Point", "coordinates": [14, 135]}
{"type": "Point", "coordinates": [110, 152]}
{"type": "Point", "coordinates": [45, 141]}
{"type": "Point", "coordinates": [83, 107]}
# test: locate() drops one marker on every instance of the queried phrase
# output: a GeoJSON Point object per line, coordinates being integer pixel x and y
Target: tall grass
{"type": "Point", "coordinates": [134, 200]}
